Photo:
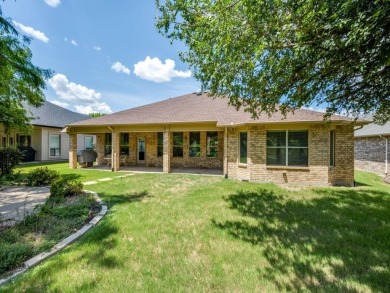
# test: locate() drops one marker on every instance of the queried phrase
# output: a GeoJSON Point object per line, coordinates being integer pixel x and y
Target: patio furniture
{"type": "Point", "coordinates": [86, 158]}
{"type": "Point", "coordinates": [122, 160]}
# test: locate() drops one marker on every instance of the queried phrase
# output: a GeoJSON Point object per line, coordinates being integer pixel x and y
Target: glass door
{"type": "Point", "coordinates": [141, 151]}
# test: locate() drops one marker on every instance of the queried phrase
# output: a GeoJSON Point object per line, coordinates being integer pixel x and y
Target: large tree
{"type": "Point", "coordinates": [20, 80]}
{"type": "Point", "coordinates": [261, 53]}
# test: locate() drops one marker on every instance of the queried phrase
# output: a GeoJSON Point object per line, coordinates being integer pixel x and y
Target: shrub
{"type": "Point", "coordinates": [63, 187]}
{"type": "Point", "coordinates": [9, 158]}
{"type": "Point", "coordinates": [41, 176]}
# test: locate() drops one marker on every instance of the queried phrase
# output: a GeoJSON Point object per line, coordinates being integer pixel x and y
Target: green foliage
{"type": "Point", "coordinates": [94, 115]}
{"type": "Point", "coordinates": [64, 187]}
{"type": "Point", "coordinates": [20, 80]}
{"type": "Point", "coordinates": [293, 53]}
{"type": "Point", "coordinates": [9, 158]}
{"type": "Point", "coordinates": [39, 231]}
{"type": "Point", "coordinates": [41, 176]}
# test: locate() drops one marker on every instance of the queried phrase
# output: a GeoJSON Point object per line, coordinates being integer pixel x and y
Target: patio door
{"type": "Point", "coordinates": [141, 151]}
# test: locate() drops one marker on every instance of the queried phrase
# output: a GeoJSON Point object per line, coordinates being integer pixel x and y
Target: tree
{"type": "Point", "coordinates": [94, 115]}
{"type": "Point", "coordinates": [20, 80]}
{"type": "Point", "coordinates": [296, 53]}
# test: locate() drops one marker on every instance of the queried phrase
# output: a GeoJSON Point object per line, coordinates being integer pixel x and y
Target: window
{"type": "Point", "coordinates": [107, 144]}
{"type": "Point", "coordinates": [194, 151]}
{"type": "Point", "coordinates": [212, 144]}
{"type": "Point", "coordinates": [160, 144]}
{"type": "Point", "coordinates": [124, 144]}
{"type": "Point", "coordinates": [11, 142]}
{"type": "Point", "coordinates": [243, 147]}
{"type": "Point", "coordinates": [287, 148]}
{"type": "Point", "coordinates": [4, 141]}
{"type": "Point", "coordinates": [55, 145]}
{"type": "Point", "coordinates": [23, 140]}
{"type": "Point", "coordinates": [332, 145]}
{"type": "Point", "coordinates": [88, 142]}
{"type": "Point", "coordinates": [178, 144]}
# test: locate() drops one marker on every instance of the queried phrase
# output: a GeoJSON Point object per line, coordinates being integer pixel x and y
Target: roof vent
{"type": "Point", "coordinates": [198, 92]}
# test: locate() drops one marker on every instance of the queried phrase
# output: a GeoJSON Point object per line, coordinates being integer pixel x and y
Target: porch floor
{"type": "Point", "coordinates": [144, 169]}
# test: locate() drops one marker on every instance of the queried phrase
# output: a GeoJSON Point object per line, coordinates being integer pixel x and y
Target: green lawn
{"type": "Point", "coordinates": [186, 233]}
{"type": "Point", "coordinates": [82, 174]}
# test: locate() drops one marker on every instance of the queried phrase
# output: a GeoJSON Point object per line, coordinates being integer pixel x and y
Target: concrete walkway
{"type": "Point", "coordinates": [18, 201]}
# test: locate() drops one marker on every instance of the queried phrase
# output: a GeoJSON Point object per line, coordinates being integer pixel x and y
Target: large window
{"type": "Point", "coordinates": [55, 145]}
{"type": "Point", "coordinates": [125, 144]}
{"type": "Point", "coordinates": [212, 144]}
{"type": "Point", "coordinates": [178, 144]}
{"type": "Point", "coordinates": [4, 141]}
{"type": "Point", "coordinates": [243, 147]}
{"type": "Point", "coordinates": [160, 144]}
{"type": "Point", "coordinates": [331, 146]}
{"type": "Point", "coordinates": [194, 150]}
{"type": "Point", "coordinates": [287, 148]}
{"type": "Point", "coordinates": [107, 144]}
{"type": "Point", "coordinates": [88, 139]}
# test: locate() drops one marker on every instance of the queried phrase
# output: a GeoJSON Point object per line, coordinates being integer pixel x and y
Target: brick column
{"type": "Point", "coordinates": [166, 151]}
{"type": "Point", "coordinates": [99, 148]}
{"type": "Point", "coordinates": [115, 159]}
{"type": "Point", "coordinates": [72, 151]}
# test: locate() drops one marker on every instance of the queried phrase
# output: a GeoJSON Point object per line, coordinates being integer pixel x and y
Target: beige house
{"type": "Point", "coordinates": [46, 137]}
{"type": "Point", "coordinates": [197, 131]}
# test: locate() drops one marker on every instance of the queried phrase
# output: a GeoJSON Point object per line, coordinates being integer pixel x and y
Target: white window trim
{"type": "Point", "coordinates": [287, 147]}
{"type": "Point", "coordinates": [54, 133]}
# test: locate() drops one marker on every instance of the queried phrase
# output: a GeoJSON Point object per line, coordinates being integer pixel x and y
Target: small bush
{"type": "Point", "coordinates": [9, 158]}
{"type": "Point", "coordinates": [63, 187]}
{"type": "Point", "coordinates": [41, 176]}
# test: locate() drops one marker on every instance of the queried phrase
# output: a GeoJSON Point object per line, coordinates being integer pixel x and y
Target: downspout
{"type": "Point", "coordinates": [386, 155]}
{"type": "Point", "coordinates": [112, 154]}
{"type": "Point", "coordinates": [225, 153]}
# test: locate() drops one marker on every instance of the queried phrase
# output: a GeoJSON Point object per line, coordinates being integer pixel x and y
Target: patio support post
{"type": "Point", "coordinates": [72, 151]}
{"type": "Point", "coordinates": [115, 151]}
{"type": "Point", "coordinates": [166, 151]}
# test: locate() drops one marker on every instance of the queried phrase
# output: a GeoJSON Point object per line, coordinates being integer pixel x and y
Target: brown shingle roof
{"type": "Point", "coordinates": [194, 108]}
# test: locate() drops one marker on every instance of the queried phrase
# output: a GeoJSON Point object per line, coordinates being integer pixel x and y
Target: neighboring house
{"type": "Point", "coordinates": [46, 138]}
{"type": "Point", "coordinates": [372, 149]}
{"type": "Point", "coordinates": [197, 131]}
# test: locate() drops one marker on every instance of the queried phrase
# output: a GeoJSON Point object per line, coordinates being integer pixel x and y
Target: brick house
{"type": "Point", "coordinates": [372, 149]}
{"type": "Point", "coordinates": [198, 131]}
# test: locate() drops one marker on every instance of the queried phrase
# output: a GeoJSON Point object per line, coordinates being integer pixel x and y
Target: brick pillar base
{"type": "Point", "coordinates": [166, 152]}
{"type": "Point", "coordinates": [73, 151]}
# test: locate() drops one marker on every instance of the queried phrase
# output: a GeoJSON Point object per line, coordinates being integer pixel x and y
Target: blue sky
{"type": "Point", "coordinates": [106, 56]}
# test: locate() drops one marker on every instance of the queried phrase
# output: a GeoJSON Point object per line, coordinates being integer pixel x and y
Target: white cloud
{"type": "Point", "coordinates": [73, 42]}
{"type": "Point", "coordinates": [154, 70]}
{"type": "Point", "coordinates": [59, 103]}
{"type": "Point", "coordinates": [119, 67]}
{"type": "Point", "coordinates": [85, 100]}
{"type": "Point", "coordinates": [53, 3]}
{"type": "Point", "coordinates": [96, 107]}
{"type": "Point", "coordinates": [28, 30]}
{"type": "Point", "coordinates": [97, 48]}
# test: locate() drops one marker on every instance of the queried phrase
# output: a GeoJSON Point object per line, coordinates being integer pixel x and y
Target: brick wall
{"type": "Point", "coordinates": [370, 153]}
{"type": "Point", "coordinates": [318, 171]}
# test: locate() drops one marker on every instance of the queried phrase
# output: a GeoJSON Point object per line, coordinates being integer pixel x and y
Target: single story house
{"type": "Point", "coordinates": [199, 131]}
{"type": "Point", "coordinates": [372, 149]}
{"type": "Point", "coordinates": [46, 137]}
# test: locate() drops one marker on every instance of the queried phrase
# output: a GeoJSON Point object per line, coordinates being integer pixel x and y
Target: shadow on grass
{"type": "Point", "coordinates": [112, 200]}
{"type": "Point", "coordinates": [338, 241]}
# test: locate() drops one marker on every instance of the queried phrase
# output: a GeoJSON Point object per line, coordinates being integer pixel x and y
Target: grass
{"type": "Point", "coordinates": [185, 233]}
{"type": "Point", "coordinates": [82, 174]}
{"type": "Point", "coordinates": [40, 231]}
